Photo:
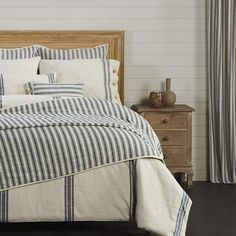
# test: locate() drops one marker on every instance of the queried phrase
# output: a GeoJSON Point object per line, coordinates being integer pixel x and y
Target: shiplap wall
{"type": "Point", "coordinates": [163, 38]}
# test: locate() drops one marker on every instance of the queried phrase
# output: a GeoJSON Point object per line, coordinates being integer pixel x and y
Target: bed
{"type": "Point", "coordinates": [108, 164]}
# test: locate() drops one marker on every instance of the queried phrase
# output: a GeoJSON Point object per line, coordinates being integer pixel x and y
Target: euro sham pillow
{"type": "Point", "coordinates": [18, 53]}
{"type": "Point", "coordinates": [74, 53]}
{"type": "Point", "coordinates": [14, 84]}
{"type": "Point", "coordinates": [20, 66]}
{"type": "Point", "coordinates": [99, 76]}
{"type": "Point", "coordinates": [60, 90]}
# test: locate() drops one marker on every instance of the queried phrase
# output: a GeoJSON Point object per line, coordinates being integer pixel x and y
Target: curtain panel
{"type": "Point", "coordinates": [221, 90]}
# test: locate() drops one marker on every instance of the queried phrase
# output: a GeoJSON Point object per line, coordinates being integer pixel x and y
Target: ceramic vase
{"type": "Point", "coordinates": [169, 97]}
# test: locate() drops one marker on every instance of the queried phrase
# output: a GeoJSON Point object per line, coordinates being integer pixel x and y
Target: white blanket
{"type": "Point", "coordinates": [103, 194]}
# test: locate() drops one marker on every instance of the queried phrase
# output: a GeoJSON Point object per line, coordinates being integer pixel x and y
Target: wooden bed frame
{"type": "Point", "coordinates": [70, 39]}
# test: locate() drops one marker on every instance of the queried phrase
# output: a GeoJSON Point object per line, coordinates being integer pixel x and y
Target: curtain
{"type": "Point", "coordinates": [221, 86]}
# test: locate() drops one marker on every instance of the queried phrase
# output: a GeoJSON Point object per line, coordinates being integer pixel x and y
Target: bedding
{"type": "Point", "coordinates": [15, 84]}
{"type": "Point", "coordinates": [96, 159]}
{"type": "Point", "coordinates": [105, 194]}
{"type": "Point", "coordinates": [99, 76]}
{"type": "Point", "coordinates": [74, 53]}
{"type": "Point", "coordinates": [67, 154]}
{"type": "Point", "coordinates": [61, 90]}
{"type": "Point", "coordinates": [7, 101]}
{"type": "Point", "coordinates": [20, 66]}
{"type": "Point", "coordinates": [18, 53]}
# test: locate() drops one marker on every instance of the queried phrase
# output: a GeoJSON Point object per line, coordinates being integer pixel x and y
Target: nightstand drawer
{"type": "Point", "coordinates": [172, 137]}
{"type": "Point", "coordinates": [175, 155]}
{"type": "Point", "coordinates": [165, 120]}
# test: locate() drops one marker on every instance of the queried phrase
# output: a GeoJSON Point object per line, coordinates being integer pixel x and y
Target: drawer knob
{"type": "Point", "coordinates": [165, 155]}
{"type": "Point", "coordinates": [165, 121]}
{"type": "Point", "coordinates": [166, 138]}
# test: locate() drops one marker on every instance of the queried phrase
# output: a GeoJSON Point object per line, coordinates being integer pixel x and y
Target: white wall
{"type": "Point", "coordinates": [163, 38]}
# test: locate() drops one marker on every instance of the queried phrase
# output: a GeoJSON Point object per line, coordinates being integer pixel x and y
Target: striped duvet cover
{"type": "Point", "coordinates": [85, 154]}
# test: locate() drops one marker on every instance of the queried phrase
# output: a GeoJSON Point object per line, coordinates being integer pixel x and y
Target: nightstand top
{"type": "Point", "coordinates": [146, 107]}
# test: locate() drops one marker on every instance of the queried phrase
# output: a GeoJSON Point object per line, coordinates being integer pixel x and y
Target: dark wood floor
{"type": "Point", "coordinates": [213, 214]}
{"type": "Point", "coordinates": [213, 211]}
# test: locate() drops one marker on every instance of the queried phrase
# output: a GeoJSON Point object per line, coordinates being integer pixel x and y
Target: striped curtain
{"type": "Point", "coordinates": [222, 96]}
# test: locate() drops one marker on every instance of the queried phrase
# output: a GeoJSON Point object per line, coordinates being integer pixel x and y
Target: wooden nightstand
{"type": "Point", "coordinates": [173, 126]}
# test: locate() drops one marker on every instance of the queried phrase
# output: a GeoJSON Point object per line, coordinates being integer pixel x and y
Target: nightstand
{"type": "Point", "coordinates": [173, 126]}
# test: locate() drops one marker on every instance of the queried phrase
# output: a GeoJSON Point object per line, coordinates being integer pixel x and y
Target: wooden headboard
{"type": "Point", "coordinates": [70, 39]}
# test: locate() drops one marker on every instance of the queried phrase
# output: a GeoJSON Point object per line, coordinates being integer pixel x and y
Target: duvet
{"type": "Point", "coordinates": [86, 159]}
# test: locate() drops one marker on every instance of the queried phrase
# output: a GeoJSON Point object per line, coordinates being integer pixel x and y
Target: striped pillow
{"type": "Point", "coordinates": [98, 52]}
{"type": "Point", "coordinates": [60, 90]}
{"type": "Point", "coordinates": [18, 53]}
{"type": "Point", "coordinates": [14, 84]}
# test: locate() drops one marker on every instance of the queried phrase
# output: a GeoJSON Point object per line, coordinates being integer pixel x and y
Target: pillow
{"type": "Point", "coordinates": [61, 90]}
{"type": "Point", "coordinates": [14, 84]}
{"type": "Point", "coordinates": [20, 66]}
{"type": "Point", "coordinates": [7, 101]}
{"type": "Point", "coordinates": [18, 53]}
{"type": "Point", "coordinates": [99, 76]}
{"type": "Point", "coordinates": [75, 53]}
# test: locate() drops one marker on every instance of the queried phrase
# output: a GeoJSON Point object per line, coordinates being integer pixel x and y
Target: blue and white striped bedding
{"type": "Point", "coordinates": [100, 51]}
{"type": "Point", "coordinates": [75, 143]}
{"type": "Point", "coordinates": [53, 139]}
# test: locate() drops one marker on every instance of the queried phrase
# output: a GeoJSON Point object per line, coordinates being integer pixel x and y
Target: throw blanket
{"type": "Point", "coordinates": [57, 138]}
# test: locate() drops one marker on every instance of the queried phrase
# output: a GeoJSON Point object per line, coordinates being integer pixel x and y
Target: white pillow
{"type": "Point", "coordinates": [14, 84]}
{"type": "Point", "coordinates": [20, 66]}
{"type": "Point", "coordinates": [99, 76]}
{"type": "Point", "coordinates": [7, 101]}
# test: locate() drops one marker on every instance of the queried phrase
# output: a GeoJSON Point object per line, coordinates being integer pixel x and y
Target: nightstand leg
{"type": "Point", "coordinates": [190, 179]}
{"type": "Point", "coordinates": [183, 177]}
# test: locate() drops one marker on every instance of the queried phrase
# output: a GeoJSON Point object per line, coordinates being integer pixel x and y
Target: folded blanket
{"type": "Point", "coordinates": [62, 137]}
